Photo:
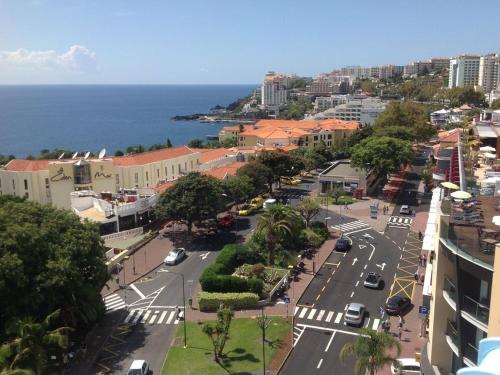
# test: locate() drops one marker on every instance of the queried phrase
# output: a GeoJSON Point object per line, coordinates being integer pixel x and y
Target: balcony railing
{"type": "Point", "coordinates": [452, 336]}
{"type": "Point", "coordinates": [478, 311]}
{"type": "Point", "coordinates": [450, 289]}
{"type": "Point", "coordinates": [470, 352]}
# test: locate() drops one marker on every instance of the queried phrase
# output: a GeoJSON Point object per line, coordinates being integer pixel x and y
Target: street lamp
{"type": "Point", "coordinates": [183, 303]}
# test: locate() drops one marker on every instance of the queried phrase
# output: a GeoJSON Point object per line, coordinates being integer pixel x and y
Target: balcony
{"type": "Point", "coordinates": [450, 293]}
{"type": "Point", "coordinates": [452, 336]}
{"type": "Point", "coordinates": [470, 355]}
{"type": "Point", "coordinates": [476, 313]}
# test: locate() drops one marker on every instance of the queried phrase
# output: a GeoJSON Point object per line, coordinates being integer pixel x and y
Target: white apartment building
{"type": "Point", "coordinates": [322, 103]}
{"type": "Point", "coordinates": [357, 72]}
{"type": "Point", "coordinates": [464, 71]}
{"type": "Point", "coordinates": [364, 111]}
{"type": "Point", "coordinates": [489, 72]}
{"type": "Point", "coordinates": [273, 95]}
{"type": "Point", "coordinates": [409, 70]}
{"type": "Point", "coordinates": [389, 71]}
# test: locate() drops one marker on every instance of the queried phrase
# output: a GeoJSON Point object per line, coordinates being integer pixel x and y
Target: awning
{"type": "Point", "coordinates": [430, 230]}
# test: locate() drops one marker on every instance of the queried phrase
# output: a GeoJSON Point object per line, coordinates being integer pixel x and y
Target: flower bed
{"type": "Point", "coordinates": [270, 276]}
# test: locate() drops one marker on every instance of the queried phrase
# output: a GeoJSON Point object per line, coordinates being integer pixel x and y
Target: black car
{"type": "Point", "coordinates": [396, 305]}
{"type": "Point", "coordinates": [342, 244]}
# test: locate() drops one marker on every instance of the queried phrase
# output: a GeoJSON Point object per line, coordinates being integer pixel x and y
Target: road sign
{"type": "Point", "coordinates": [423, 310]}
{"type": "Point", "coordinates": [286, 299]}
{"type": "Point", "coordinates": [373, 212]}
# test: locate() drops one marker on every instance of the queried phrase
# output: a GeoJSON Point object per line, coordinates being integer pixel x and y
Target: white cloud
{"type": "Point", "coordinates": [78, 59]}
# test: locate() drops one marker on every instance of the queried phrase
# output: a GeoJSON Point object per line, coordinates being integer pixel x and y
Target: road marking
{"type": "Point", "coordinates": [356, 231]}
{"type": "Point", "coordinates": [361, 246]}
{"type": "Point", "coordinates": [176, 321]}
{"type": "Point", "coordinates": [303, 312]}
{"type": "Point", "coordinates": [300, 334]}
{"type": "Point", "coordinates": [320, 362]}
{"type": "Point", "coordinates": [323, 289]}
{"type": "Point", "coordinates": [204, 256]}
{"type": "Point", "coordinates": [381, 266]}
{"type": "Point", "coordinates": [330, 341]}
{"type": "Point", "coordinates": [401, 256]}
{"type": "Point", "coordinates": [357, 283]}
{"type": "Point", "coordinates": [146, 316]}
{"type": "Point", "coordinates": [327, 329]}
{"type": "Point", "coordinates": [367, 322]}
{"type": "Point", "coordinates": [352, 294]}
{"type": "Point", "coordinates": [317, 297]}
{"type": "Point", "coordinates": [345, 308]}
{"type": "Point", "coordinates": [366, 265]}
{"type": "Point", "coordinates": [138, 316]}
{"type": "Point", "coordinates": [371, 254]}
{"type": "Point", "coordinates": [135, 289]}
{"type": "Point", "coordinates": [162, 317]}
{"type": "Point", "coordinates": [170, 317]}
{"type": "Point", "coordinates": [332, 264]}
{"type": "Point", "coordinates": [311, 314]}
{"type": "Point", "coordinates": [153, 318]}
{"type": "Point", "coordinates": [320, 315]}
{"type": "Point", "coordinates": [361, 274]}
{"type": "Point", "coordinates": [129, 316]}
{"type": "Point", "coordinates": [327, 281]}
{"type": "Point", "coordinates": [375, 323]}
{"type": "Point", "coordinates": [295, 310]}
{"type": "Point", "coordinates": [354, 261]}
{"type": "Point", "coordinates": [329, 316]}
{"type": "Point", "coordinates": [337, 319]}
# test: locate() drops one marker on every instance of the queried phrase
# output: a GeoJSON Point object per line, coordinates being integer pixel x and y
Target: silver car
{"type": "Point", "coordinates": [372, 280]}
{"type": "Point", "coordinates": [175, 256]}
{"type": "Point", "coordinates": [355, 313]}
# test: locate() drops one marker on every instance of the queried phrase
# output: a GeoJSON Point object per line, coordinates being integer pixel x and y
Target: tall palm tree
{"type": "Point", "coordinates": [272, 227]}
{"type": "Point", "coordinates": [370, 349]}
{"type": "Point", "coordinates": [28, 347]}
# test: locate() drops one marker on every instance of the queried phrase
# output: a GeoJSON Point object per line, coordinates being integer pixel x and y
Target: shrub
{"type": "Point", "coordinates": [229, 258]}
{"type": "Point", "coordinates": [230, 284]}
{"type": "Point", "coordinates": [258, 269]}
{"type": "Point", "coordinates": [255, 286]}
{"type": "Point", "coordinates": [236, 301]}
{"type": "Point", "coordinates": [320, 229]}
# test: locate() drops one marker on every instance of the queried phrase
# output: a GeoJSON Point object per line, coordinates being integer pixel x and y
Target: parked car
{"type": "Point", "coordinates": [372, 280]}
{"type": "Point", "coordinates": [169, 224]}
{"type": "Point", "coordinates": [404, 210]}
{"type": "Point", "coordinates": [138, 367]}
{"type": "Point", "coordinates": [406, 366]}
{"type": "Point", "coordinates": [175, 256]}
{"type": "Point", "coordinates": [342, 244]}
{"type": "Point", "coordinates": [269, 202]}
{"type": "Point", "coordinates": [246, 210]}
{"type": "Point", "coordinates": [355, 313]}
{"type": "Point", "coordinates": [290, 180]}
{"type": "Point", "coordinates": [396, 305]}
{"type": "Point", "coordinates": [226, 221]}
{"type": "Point", "coordinates": [257, 202]}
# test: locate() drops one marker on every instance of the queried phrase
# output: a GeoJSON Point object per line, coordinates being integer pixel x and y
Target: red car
{"type": "Point", "coordinates": [169, 224]}
{"type": "Point", "coordinates": [226, 221]}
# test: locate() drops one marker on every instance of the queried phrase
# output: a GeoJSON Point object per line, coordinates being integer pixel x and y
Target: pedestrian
{"type": "Point", "coordinates": [400, 333]}
{"type": "Point", "coordinates": [401, 322]}
{"type": "Point", "coordinates": [424, 260]}
{"type": "Point", "coordinates": [420, 260]}
{"type": "Point", "coordinates": [416, 276]}
{"type": "Point", "coordinates": [420, 235]}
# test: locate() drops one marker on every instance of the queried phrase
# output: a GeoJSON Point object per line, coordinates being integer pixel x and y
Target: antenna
{"type": "Point", "coordinates": [102, 153]}
{"type": "Point", "coordinates": [61, 156]}
{"type": "Point", "coordinates": [74, 155]}
{"type": "Point", "coordinates": [87, 154]}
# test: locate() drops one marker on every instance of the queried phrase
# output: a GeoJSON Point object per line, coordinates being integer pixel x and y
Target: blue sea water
{"type": "Point", "coordinates": [90, 117]}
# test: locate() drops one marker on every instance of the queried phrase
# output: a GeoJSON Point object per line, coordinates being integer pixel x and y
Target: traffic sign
{"type": "Point", "coordinates": [423, 310]}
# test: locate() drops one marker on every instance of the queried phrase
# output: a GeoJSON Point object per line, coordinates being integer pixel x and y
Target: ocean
{"type": "Point", "coordinates": [91, 117]}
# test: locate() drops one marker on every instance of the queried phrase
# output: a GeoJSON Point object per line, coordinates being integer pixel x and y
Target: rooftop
{"type": "Point", "coordinates": [224, 171]}
{"type": "Point", "coordinates": [343, 168]}
{"type": "Point", "coordinates": [20, 165]}
{"type": "Point", "coordinates": [210, 154]}
{"type": "Point", "coordinates": [152, 156]}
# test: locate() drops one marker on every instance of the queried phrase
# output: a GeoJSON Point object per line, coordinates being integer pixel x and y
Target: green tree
{"type": "Point", "coordinates": [194, 197]}
{"type": "Point", "coordinates": [272, 227]}
{"type": "Point", "coordinates": [55, 251]}
{"type": "Point", "coordinates": [399, 132]}
{"type": "Point", "coordinates": [135, 149]}
{"type": "Point", "coordinates": [281, 164]}
{"type": "Point", "coordinates": [169, 143]}
{"type": "Point", "coordinates": [29, 341]}
{"type": "Point", "coordinates": [239, 188]}
{"type": "Point", "coordinates": [495, 104]}
{"type": "Point", "coordinates": [219, 332]}
{"type": "Point", "coordinates": [308, 209]}
{"type": "Point", "coordinates": [119, 153]}
{"type": "Point", "coordinates": [381, 155]}
{"type": "Point", "coordinates": [4, 159]}
{"type": "Point", "coordinates": [371, 351]}
{"type": "Point", "coordinates": [260, 174]}
{"type": "Point", "coordinates": [336, 193]}
{"type": "Point", "coordinates": [359, 135]}
{"type": "Point", "coordinates": [196, 143]}
{"type": "Point", "coordinates": [465, 95]}
{"type": "Point", "coordinates": [408, 115]}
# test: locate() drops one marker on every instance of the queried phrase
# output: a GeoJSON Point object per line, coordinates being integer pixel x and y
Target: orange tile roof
{"type": "Point", "coordinates": [160, 188]}
{"type": "Point", "coordinates": [449, 136]}
{"type": "Point", "coordinates": [226, 170]}
{"type": "Point", "coordinates": [151, 156]}
{"type": "Point", "coordinates": [236, 128]}
{"type": "Point", "coordinates": [21, 165]}
{"type": "Point", "coordinates": [209, 154]}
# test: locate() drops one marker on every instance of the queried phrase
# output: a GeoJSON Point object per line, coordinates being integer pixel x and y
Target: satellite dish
{"type": "Point", "coordinates": [61, 156]}
{"type": "Point", "coordinates": [87, 154]}
{"type": "Point", "coordinates": [74, 155]}
{"type": "Point", "coordinates": [102, 153]}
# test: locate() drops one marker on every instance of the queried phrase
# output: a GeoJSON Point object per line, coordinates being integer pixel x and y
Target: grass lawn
{"type": "Point", "coordinates": [243, 350]}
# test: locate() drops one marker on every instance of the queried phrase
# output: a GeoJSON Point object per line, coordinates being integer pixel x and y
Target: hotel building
{"type": "Point", "coordinates": [464, 71]}
{"type": "Point", "coordinates": [489, 72]}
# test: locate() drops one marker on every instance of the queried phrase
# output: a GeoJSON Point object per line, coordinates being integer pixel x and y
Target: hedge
{"type": "Point", "coordinates": [236, 301]}
{"type": "Point", "coordinates": [320, 228]}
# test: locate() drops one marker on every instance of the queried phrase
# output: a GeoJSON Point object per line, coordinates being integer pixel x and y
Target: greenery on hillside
{"type": "Point", "coordinates": [296, 110]}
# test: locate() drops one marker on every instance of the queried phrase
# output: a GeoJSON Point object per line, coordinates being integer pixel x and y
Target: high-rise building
{"type": "Point", "coordinates": [464, 71]}
{"type": "Point", "coordinates": [274, 90]}
{"type": "Point", "coordinates": [440, 63]}
{"type": "Point", "coordinates": [489, 72]}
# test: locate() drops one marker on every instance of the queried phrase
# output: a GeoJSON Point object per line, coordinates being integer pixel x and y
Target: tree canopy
{"type": "Point", "coordinates": [239, 188]}
{"type": "Point", "coordinates": [399, 132]}
{"type": "Point", "coordinates": [49, 260]}
{"type": "Point", "coordinates": [259, 174]}
{"type": "Point", "coordinates": [381, 155]}
{"type": "Point", "coordinates": [281, 163]}
{"type": "Point", "coordinates": [495, 104]}
{"type": "Point", "coordinates": [464, 95]}
{"type": "Point", "coordinates": [194, 197]}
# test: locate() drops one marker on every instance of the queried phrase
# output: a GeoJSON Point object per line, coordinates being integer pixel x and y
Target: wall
{"type": "Point", "coordinates": [494, 319]}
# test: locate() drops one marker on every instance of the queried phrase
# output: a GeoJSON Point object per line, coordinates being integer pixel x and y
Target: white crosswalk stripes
{"type": "Point", "coordinates": [150, 317]}
{"type": "Point", "coordinates": [351, 226]}
{"type": "Point", "coordinates": [331, 317]}
{"type": "Point", "coordinates": [400, 220]}
{"type": "Point", "coordinates": [113, 302]}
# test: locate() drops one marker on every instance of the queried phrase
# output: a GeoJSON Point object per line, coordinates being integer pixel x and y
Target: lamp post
{"type": "Point", "coordinates": [183, 304]}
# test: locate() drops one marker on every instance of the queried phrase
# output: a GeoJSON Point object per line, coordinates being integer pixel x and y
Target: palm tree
{"type": "Point", "coordinates": [28, 347]}
{"type": "Point", "coordinates": [272, 227]}
{"type": "Point", "coordinates": [370, 350]}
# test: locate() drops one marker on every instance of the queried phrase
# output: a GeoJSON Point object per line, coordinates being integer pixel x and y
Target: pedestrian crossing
{"type": "Point", "coordinates": [332, 317]}
{"type": "Point", "coordinates": [140, 316]}
{"type": "Point", "coordinates": [352, 226]}
{"type": "Point", "coordinates": [113, 302]}
{"type": "Point", "coordinates": [400, 221]}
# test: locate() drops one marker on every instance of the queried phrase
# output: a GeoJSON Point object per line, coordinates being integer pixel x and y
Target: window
{"type": "Point", "coordinates": [173, 171]}
{"type": "Point", "coordinates": [166, 172]}
{"type": "Point", "coordinates": [117, 179]}
{"type": "Point", "coordinates": [185, 166]}
{"type": "Point", "coordinates": [47, 183]}
{"type": "Point", "coordinates": [26, 195]}
{"type": "Point", "coordinates": [14, 185]}
{"type": "Point", "coordinates": [179, 168]}
{"type": "Point", "coordinates": [147, 176]}
{"type": "Point", "coordinates": [315, 137]}
{"type": "Point", "coordinates": [136, 177]}
{"type": "Point", "coordinates": [81, 170]}
{"type": "Point", "coordinates": [158, 173]}
{"type": "Point", "coordinates": [329, 136]}
{"type": "Point", "coordinates": [191, 164]}
{"type": "Point", "coordinates": [26, 184]}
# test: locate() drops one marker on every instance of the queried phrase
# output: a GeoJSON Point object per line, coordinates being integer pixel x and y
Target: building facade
{"type": "Point", "coordinates": [464, 71]}
{"type": "Point", "coordinates": [489, 72]}
{"type": "Point", "coordinates": [363, 111]}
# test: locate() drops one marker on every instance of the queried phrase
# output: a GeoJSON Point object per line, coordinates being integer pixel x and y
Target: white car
{"type": "Point", "coordinates": [406, 366]}
{"type": "Point", "coordinates": [372, 280]}
{"type": "Point", "coordinates": [138, 367]}
{"type": "Point", "coordinates": [355, 314]}
{"type": "Point", "coordinates": [175, 256]}
{"type": "Point", "coordinates": [404, 210]}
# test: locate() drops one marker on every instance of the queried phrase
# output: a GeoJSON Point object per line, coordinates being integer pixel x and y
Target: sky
{"type": "Point", "coordinates": [229, 42]}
